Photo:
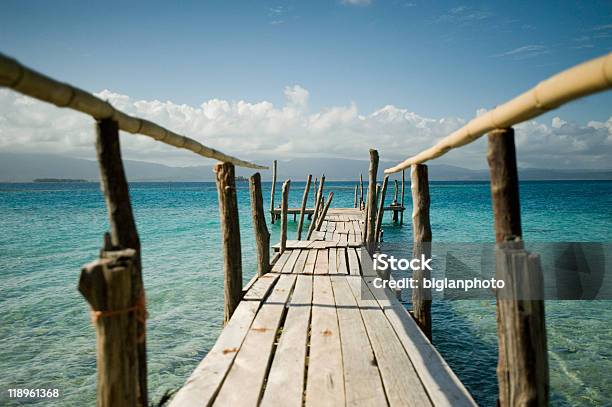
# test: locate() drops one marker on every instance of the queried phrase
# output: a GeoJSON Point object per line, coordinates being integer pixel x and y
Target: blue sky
{"type": "Point", "coordinates": [437, 59]}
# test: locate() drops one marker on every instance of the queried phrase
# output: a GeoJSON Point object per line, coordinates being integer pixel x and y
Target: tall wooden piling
{"type": "Point", "coordinates": [314, 196]}
{"type": "Point", "coordinates": [319, 198]}
{"type": "Point", "coordinates": [355, 201]}
{"type": "Point", "coordinates": [381, 207]}
{"type": "Point", "coordinates": [262, 236]}
{"type": "Point", "coordinates": [324, 212]}
{"type": "Point", "coordinates": [284, 206]}
{"type": "Point", "coordinates": [107, 285]}
{"type": "Point", "coordinates": [522, 369]}
{"type": "Point", "coordinates": [230, 233]}
{"type": "Point", "coordinates": [303, 207]}
{"type": "Point", "coordinates": [124, 235]}
{"type": "Point", "coordinates": [421, 236]}
{"type": "Point", "coordinates": [370, 238]}
{"type": "Point", "coordinates": [403, 207]}
{"type": "Point", "coordinates": [272, 191]}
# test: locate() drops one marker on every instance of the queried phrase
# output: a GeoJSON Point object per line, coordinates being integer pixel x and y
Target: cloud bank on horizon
{"type": "Point", "coordinates": [260, 130]}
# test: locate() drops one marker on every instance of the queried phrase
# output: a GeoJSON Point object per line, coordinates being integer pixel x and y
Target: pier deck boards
{"type": "Point", "coordinates": [313, 332]}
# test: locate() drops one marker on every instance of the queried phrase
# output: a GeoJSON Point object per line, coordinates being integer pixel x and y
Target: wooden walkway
{"type": "Point", "coordinates": [312, 332]}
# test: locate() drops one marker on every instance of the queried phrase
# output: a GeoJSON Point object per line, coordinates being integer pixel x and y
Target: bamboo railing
{"type": "Point", "coordinates": [31, 83]}
{"type": "Point", "coordinates": [581, 80]}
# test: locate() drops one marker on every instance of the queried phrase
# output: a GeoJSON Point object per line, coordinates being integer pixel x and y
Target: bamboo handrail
{"type": "Point", "coordinates": [31, 83]}
{"type": "Point", "coordinates": [581, 80]}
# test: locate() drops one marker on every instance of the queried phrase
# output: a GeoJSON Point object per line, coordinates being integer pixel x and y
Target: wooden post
{"type": "Point", "coordinates": [361, 202]}
{"type": "Point", "coordinates": [284, 206]}
{"type": "Point", "coordinates": [273, 190]}
{"type": "Point", "coordinates": [230, 233]}
{"type": "Point", "coordinates": [322, 217]}
{"type": "Point", "coordinates": [319, 197]}
{"type": "Point", "coordinates": [262, 236]}
{"type": "Point", "coordinates": [355, 201]}
{"type": "Point", "coordinates": [421, 236]}
{"type": "Point", "coordinates": [370, 240]}
{"type": "Point", "coordinates": [381, 207]}
{"type": "Point", "coordinates": [303, 208]}
{"type": "Point", "coordinates": [395, 193]}
{"type": "Point", "coordinates": [124, 235]}
{"type": "Point", "coordinates": [107, 285]}
{"type": "Point", "coordinates": [314, 197]}
{"type": "Point", "coordinates": [403, 207]}
{"type": "Point", "coordinates": [396, 211]}
{"type": "Point", "coordinates": [522, 368]}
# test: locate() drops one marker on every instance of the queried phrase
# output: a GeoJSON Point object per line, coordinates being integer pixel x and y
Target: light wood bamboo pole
{"type": "Point", "coordinates": [403, 188]}
{"type": "Point", "coordinates": [31, 83]}
{"type": "Point", "coordinates": [319, 198]}
{"type": "Point", "coordinates": [581, 80]}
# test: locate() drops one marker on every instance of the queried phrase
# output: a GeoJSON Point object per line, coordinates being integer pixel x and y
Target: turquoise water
{"type": "Point", "coordinates": [49, 230]}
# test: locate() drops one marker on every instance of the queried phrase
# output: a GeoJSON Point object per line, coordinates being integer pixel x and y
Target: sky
{"type": "Point", "coordinates": [282, 79]}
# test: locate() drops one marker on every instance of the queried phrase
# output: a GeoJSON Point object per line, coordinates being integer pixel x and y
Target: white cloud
{"type": "Point", "coordinates": [526, 51]}
{"type": "Point", "coordinates": [260, 129]}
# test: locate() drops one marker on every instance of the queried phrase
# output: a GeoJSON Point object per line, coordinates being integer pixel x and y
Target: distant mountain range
{"type": "Point", "coordinates": [27, 167]}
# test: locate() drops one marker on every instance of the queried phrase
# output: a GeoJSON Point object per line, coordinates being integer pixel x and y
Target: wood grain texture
{"type": "Point", "coordinates": [421, 236]}
{"type": "Point", "coordinates": [325, 379]}
{"type": "Point", "coordinates": [284, 205]}
{"type": "Point", "coordinates": [303, 207]}
{"type": "Point", "coordinates": [106, 284]}
{"type": "Point", "coordinates": [370, 238]}
{"type": "Point", "coordinates": [262, 236]}
{"type": "Point", "coordinates": [522, 368]}
{"type": "Point", "coordinates": [230, 236]}
{"type": "Point", "coordinates": [124, 235]}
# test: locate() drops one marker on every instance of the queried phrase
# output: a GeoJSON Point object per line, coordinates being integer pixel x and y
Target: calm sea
{"type": "Point", "coordinates": [47, 231]}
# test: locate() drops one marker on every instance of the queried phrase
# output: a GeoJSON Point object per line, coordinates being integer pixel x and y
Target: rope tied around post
{"type": "Point", "coordinates": [140, 310]}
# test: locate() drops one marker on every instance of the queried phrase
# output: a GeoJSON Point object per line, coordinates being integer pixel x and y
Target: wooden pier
{"type": "Point", "coordinates": [314, 332]}
{"type": "Point", "coordinates": [309, 328]}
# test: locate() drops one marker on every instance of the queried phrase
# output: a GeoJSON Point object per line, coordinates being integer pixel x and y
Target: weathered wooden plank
{"type": "Point", "coordinates": [403, 389]}
{"type": "Point", "coordinates": [310, 262]}
{"type": "Point", "coordinates": [322, 264]}
{"type": "Point", "coordinates": [260, 287]}
{"type": "Point", "coordinates": [443, 386]}
{"type": "Point", "coordinates": [244, 382]}
{"type": "Point", "coordinates": [332, 261]}
{"type": "Point", "coordinates": [278, 266]}
{"type": "Point", "coordinates": [206, 379]}
{"type": "Point", "coordinates": [353, 262]}
{"type": "Point", "coordinates": [341, 259]}
{"type": "Point", "coordinates": [362, 382]}
{"type": "Point", "coordinates": [285, 383]}
{"type": "Point", "coordinates": [288, 267]}
{"type": "Point", "coordinates": [325, 381]}
{"type": "Point", "coordinates": [301, 262]}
